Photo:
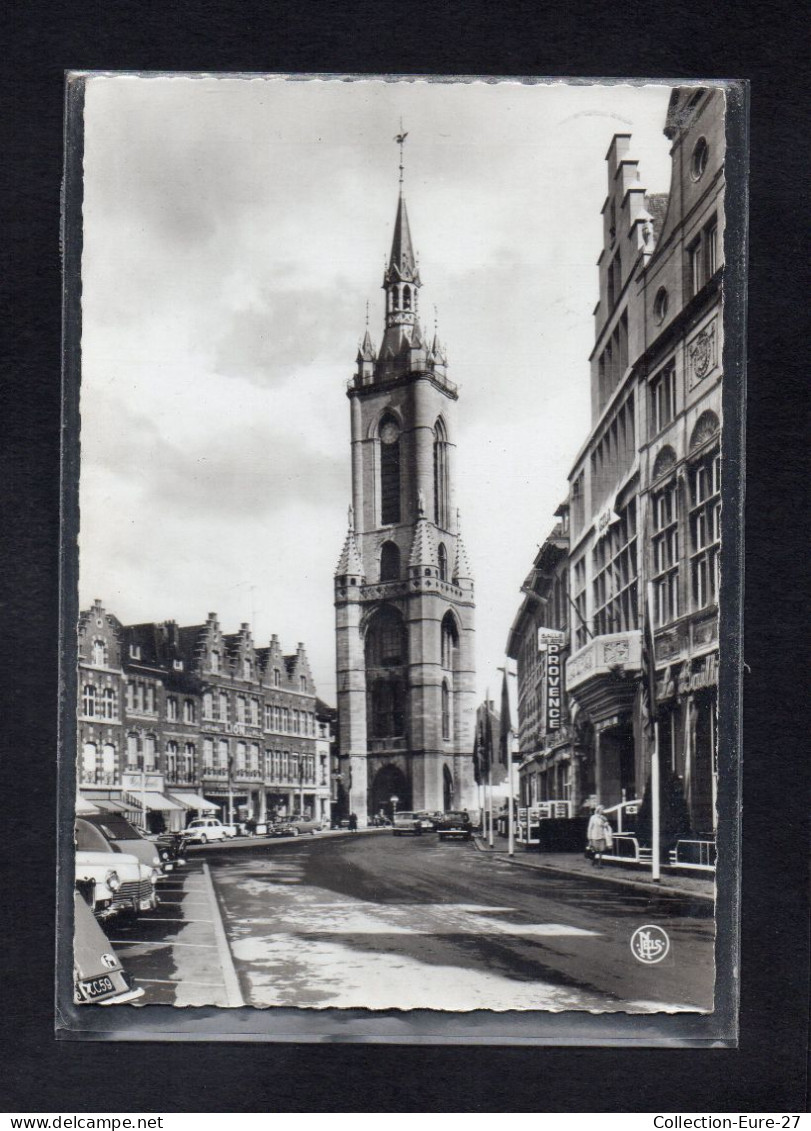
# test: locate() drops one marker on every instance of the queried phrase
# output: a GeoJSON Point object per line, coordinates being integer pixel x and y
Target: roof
{"type": "Point", "coordinates": [350, 562]}
{"type": "Point", "coordinates": [402, 260]}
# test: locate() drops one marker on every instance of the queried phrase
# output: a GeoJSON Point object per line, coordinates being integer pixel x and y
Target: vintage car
{"type": "Point", "coordinates": [428, 820]}
{"type": "Point", "coordinates": [124, 838]}
{"type": "Point", "coordinates": [98, 976]}
{"type": "Point", "coordinates": [117, 881]}
{"type": "Point", "coordinates": [454, 825]}
{"type": "Point", "coordinates": [407, 823]}
{"type": "Point", "coordinates": [202, 830]}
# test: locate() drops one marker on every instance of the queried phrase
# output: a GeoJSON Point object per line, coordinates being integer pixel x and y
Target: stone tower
{"type": "Point", "coordinates": [403, 587]}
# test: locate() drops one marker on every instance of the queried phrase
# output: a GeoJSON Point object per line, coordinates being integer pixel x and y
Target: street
{"type": "Point", "coordinates": [381, 922]}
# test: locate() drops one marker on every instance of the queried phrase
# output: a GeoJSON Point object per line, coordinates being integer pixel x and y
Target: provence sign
{"type": "Point", "coordinates": [554, 679]}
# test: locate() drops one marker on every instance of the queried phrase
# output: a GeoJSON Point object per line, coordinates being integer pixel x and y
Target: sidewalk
{"type": "Point", "coordinates": [574, 864]}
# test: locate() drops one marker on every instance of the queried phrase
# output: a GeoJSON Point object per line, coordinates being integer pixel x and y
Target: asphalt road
{"type": "Point", "coordinates": [383, 922]}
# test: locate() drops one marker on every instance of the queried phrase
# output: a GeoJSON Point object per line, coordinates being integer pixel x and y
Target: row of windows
{"type": "Point", "coordinates": [702, 257]}
{"type": "Point", "coordinates": [100, 656]}
{"type": "Point", "coordinates": [613, 361]}
{"type": "Point", "coordinates": [614, 455]}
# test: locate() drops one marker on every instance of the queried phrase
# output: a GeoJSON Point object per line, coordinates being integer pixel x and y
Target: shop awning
{"type": "Point", "coordinates": [193, 801]}
{"type": "Point", "coordinates": [155, 802]}
{"type": "Point", "coordinates": [111, 805]}
{"type": "Point", "coordinates": [83, 806]}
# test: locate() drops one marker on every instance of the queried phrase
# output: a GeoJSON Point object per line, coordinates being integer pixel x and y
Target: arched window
{"type": "Point", "coordinates": [442, 559]}
{"type": "Point", "coordinates": [406, 297]}
{"type": "Point", "coordinates": [99, 653]}
{"type": "Point", "coordinates": [171, 761]}
{"type": "Point", "coordinates": [89, 700]}
{"type": "Point", "coordinates": [108, 761]}
{"type": "Point", "coordinates": [385, 640]}
{"type": "Point", "coordinates": [389, 470]}
{"type": "Point", "coordinates": [446, 710]}
{"type": "Point", "coordinates": [389, 562]}
{"type": "Point", "coordinates": [441, 475]}
{"type": "Point", "coordinates": [110, 703]}
{"type": "Point", "coordinates": [188, 711]}
{"type": "Point", "coordinates": [89, 762]}
{"type": "Point", "coordinates": [449, 642]}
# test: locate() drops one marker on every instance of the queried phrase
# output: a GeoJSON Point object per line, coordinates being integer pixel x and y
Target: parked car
{"type": "Point", "coordinates": [119, 882]}
{"type": "Point", "coordinates": [170, 848]}
{"type": "Point", "coordinates": [454, 825]}
{"type": "Point", "coordinates": [428, 820]}
{"type": "Point", "coordinates": [407, 823]}
{"type": "Point", "coordinates": [305, 825]}
{"type": "Point", "coordinates": [98, 976]}
{"type": "Point", "coordinates": [204, 829]}
{"type": "Point", "coordinates": [124, 838]}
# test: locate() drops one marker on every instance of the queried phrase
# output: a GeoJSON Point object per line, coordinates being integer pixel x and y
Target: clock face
{"type": "Point", "coordinates": [389, 432]}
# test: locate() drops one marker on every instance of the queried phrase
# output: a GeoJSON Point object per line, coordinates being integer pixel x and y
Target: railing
{"type": "Point", "coordinates": [626, 849]}
{"type": "Point", "coordinates": [698, 854]}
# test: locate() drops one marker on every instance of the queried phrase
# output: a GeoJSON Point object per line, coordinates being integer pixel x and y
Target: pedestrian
{"type": "Point", "coordinates": [353, 822]}
{"type": "Point", "coordinates": [599, 836]}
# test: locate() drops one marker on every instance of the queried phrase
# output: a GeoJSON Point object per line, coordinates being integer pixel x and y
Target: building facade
{"type": "Point", "coordinates": [404, 596]}
{"type": "Point", "coordinates": [644, 491]}
{"type": "Point", "coordinates": [177, 719]}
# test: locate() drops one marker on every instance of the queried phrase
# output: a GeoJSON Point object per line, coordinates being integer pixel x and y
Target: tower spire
{"type": "Point", "coordinates": [400, 139]}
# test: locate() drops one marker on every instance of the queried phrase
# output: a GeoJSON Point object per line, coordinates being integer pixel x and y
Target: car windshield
{"type": "Point", "coordinates": [116, 828]}
{"type": "Point", "coordinates": [456, 815]}
{"type": "Point", "coordinates": [90, 839]}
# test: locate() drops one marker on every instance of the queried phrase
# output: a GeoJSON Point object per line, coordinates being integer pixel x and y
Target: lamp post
{"type": "Point", "coordinates": [394, 801]}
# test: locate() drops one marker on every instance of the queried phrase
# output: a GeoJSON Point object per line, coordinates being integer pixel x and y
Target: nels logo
{"type": "Point", "coordinates": [650, 944]}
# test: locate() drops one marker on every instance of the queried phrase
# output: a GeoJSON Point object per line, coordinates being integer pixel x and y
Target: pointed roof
{"type": "Point", "coordinates": [422, 548]}
{"type": "Point", "coordinates": [350, 562]}
{"type": "Point", "coordinates": [461, 567]}
{"type": "Point", "coordinates": [367, 349]}
{"type": "Point", "coordinates": [402, 259]}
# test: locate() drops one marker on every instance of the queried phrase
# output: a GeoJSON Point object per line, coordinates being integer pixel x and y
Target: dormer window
{"type": "Point", "coordinates": [177, 665]}
{"type": "Point", "coordinates": [135, 651]}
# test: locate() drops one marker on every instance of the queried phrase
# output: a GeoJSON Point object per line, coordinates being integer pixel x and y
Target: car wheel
{"type": "Point", "coordinates": [295, 832]}
{"type": "Point", "coordinates": [203, 838]}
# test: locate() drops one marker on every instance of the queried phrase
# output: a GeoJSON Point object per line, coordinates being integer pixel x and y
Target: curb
{"type": "Point", "coordinates": [233, 993]}
{"type": "Point", "coordinates": [259, 841]}
{"type": "Point", "coordinates": [623, 881]}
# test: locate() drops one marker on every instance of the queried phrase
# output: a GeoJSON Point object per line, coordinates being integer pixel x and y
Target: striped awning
{"type": "Point", "coordinates": [193, 801]}
{"type": "Point", "coordinates": [155, 802]}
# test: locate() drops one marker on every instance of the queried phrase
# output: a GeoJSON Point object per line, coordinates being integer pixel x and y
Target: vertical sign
{"type": "Point", "coordinates": [553, 686]}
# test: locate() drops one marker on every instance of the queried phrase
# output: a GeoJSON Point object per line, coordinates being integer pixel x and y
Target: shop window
{"type": "Point", "coordinates": [705, 529]}
{"type": "Point", "coordinates": [665, 549]}
{"type": "Point", "coordinates": [615, 581]}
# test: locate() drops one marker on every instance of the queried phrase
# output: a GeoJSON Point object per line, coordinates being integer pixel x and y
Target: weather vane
{"type": "Point", "coordinates": [400, 139]}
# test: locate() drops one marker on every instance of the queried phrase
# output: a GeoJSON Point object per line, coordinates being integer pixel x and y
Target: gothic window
{"type": "Point", "coordinates": [441, 476]}
{"type": "Point", "coordinates": [387, 709]}
{"type": "Point", "coordinates": [449, 643]}
{"type": "Point", "coordinates": [389, 470]}
{"type": "Point", "coordinates": [89, 700]}
{"type": "Point", "coordinates": [705, 528]}
{"type": "Point", "coordinates": [665, 545]}
{"type": "Point", "coordinates": [389, 562]}
{"type": "Point", "coordinates": [99, 653]}
{"type": "Point", "coordinates": [615, 583]}
{"type": "Point", "coordinates": [385, 641]}
{"type": "Point", "coordinates": [406, 298]}
{"type": "Point", "coordinates": [442, 559]}
{"type": "Point", "coordinates": [110, 703]}
{"type": "Point", "coordinates": [446, 710]}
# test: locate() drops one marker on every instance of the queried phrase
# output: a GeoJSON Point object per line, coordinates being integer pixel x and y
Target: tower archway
{"type": "Point", "coordinates": [389, 781]}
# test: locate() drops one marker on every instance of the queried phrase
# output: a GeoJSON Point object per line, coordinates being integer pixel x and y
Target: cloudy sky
{"type": "Point", "coordinates": [234, 230]}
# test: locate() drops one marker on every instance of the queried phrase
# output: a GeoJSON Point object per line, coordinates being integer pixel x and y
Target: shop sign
{"type": "Point", "coordinates": [549, 635]}
{"type": "Point", "coordinates": [605, 519]}
{"type": "Point", "coordinates": [554, 679]}
{"type": "Point", "coordinates": [704, 675]}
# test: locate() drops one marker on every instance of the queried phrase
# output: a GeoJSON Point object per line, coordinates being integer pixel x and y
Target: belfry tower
{"type": "Point", "coordinates": [403, 586]}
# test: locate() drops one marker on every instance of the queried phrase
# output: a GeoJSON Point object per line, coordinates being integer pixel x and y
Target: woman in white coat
{"type": "Point", "coordinates": [599, 835]}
